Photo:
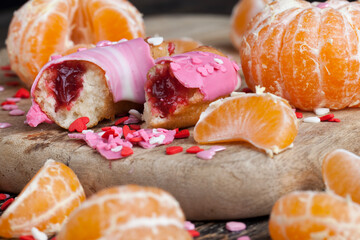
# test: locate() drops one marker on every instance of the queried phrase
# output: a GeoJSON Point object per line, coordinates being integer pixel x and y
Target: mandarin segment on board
{"type": "Point", "coordinates": [241, 16]}
{"type": "Point", "coordinates": [314, 215]}
{"type": "Point", "coordinates": [127, 212]}
{"type": "Point", "coordinates": [341, 170]}
{"type": "Point", "coordinates": [306, 53]}
{"type": "Point", "coordinates": [40, 29]}
{"type": "Point", "coordinates": [45, 202]}
{"type": "Point", "coordinates": [264, 120]}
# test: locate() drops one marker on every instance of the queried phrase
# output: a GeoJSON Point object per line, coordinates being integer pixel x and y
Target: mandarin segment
{"type": "Point", "coordinates": [341, 171]}
{"type": "Point", "coordinates": [45, 202]}
{"type": "Point", "coordinates": [40, 29]}
{"type": "Point", "coordinates": [126, 212]}
{"type": "Point", "coordinates": [264, 120]}
{"type": "Point", "coordinates": [306, 53]}
{"type": "Point", "coordinates": [314, 215]}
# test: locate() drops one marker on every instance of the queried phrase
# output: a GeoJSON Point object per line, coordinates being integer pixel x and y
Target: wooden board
{"type": "Point", "coordinates": [240, 182]}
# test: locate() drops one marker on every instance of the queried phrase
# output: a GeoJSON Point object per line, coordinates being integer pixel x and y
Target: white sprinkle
{"type": "Point", "coordinates": [117, 149]}
{"type": "Point", "coordinates": [259, 90]}
{"type": "Point", "coordinates": [218, 60]}
{"type": "Point", "coordinates": [157, 140]}
{"type": "Point", "coordinates": [38, 235]}
{"type": "Point", "coordinates": [312, 120]}
{"type": "Point", "coordinates": [101, 133]}
{"type": "Point", "coordinates": [189, 225]}
{"type": "Point", "coordinates": [135, 113]}
{"type": "Point", "coordinates": [122, 40]}
{"type": "Point", "coordinates": [217, 148]}
{"type": "Point", "coordinates": [5, 125]}
{"type": "Point", "coordinates": [235, 94]}
{"type": "Point", "coordinates": [155, 40]}
{"type": "Point", "coordinates": [321, 111]}
{"type": "Point", "coordinates": [87, 131]}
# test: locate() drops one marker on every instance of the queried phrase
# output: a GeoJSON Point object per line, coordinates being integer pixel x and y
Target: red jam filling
{"type": "Point", "coordinates": [165, 91]}
{"type": "Point", "coordinates": [66, 83]}
{"type": "Point", "coordinates": [171, 48]}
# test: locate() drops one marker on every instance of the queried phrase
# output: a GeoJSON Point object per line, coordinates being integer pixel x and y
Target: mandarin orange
{"type": "Point", "coordinates": [341, 170]}
{"type": "Point", "coordinates": [314, 215]}
{"type": "Point", "coordinates": [45, 202]}
{"type": "Point", "coordinates": [42, 28]}
{"type": "Point", "coordinates": [126, 212]}
{"type": "Point", "coordinates": [241, 16]}
{"type": "Point", "coordinates": [306, 53]}
{"type": "Point", "coordinates": [264, 120]}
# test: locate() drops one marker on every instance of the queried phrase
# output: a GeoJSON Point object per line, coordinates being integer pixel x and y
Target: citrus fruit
{"type": "Point", "coordinates": [45, 202]}
{"type": "Point", "coordinates": [341, 170]}
{"type": "Point", "coordinates": [314, 215]}
{"type": "Point", "coordinates": [264, 120]}
{"type": "Point", "coordinates": [42, 28]}
{"type": "Point", "coordinates": [306, 53]}
{"type": "Point", "coordinates": [126, 212]}
{"type": "Point", "coordinates": [241, 16]}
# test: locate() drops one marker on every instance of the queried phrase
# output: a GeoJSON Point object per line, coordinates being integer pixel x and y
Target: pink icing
{"type": "Point", "coordinates": [35, 116]}
{"type": "Point", "coordinates": [214, 75]}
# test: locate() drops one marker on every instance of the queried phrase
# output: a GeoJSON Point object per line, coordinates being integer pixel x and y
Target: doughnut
{"type": "Point", "coordinates": [180, 87]}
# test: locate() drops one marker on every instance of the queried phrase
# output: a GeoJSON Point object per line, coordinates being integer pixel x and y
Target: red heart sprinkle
{"type": "Point", "coordinates": [326, 117]}
{"type": "Point", "coordinates": [6, 204]}
{"type": "Point", "coordinates": [126, 130]}
{"type": "Point", "coordinates": [299, 114]}
{"type": "Point", "coordinates": [8, 103]}
{"type": "Point", "coordinates": [79, 124]}
{"type": "Point", "coordinates": [12, 83]}
{"type": "Point", "coordinates": [182, 134]}
{"type": "Point", "coordinates": [106, 128]}
{"type": "Point", "coordinates": [121, 120]}
{"type": "Point", "coordinates": [173, 150]}
{"type": "Point", "coordinates": [22, 93]}
{"type": "Point", "coordinates": [27, 237]}
{"type": "Point", "coordinates": [194, 233]}
{"type": "Point", "coordinates": [3, 196]}
{"type": "Point", "coordinates": [194, 149]}
{"type": "Point", "coordinates": [108, 133]}
{"type": "Point", "coordinates": [135, 127]}
{"type": "Point", "coordinates": [126, 151]}
{"type": "Point", "coordinates": [334, 120]}
{"type": "Point", "coordinates": [135, 139]}
{"type": "Point", "coordinates": [10, 74]}
{"type": "Point", "coordinates": [5, 68]}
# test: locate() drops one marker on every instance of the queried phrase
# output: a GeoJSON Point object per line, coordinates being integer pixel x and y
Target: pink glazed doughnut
{"type": "Point", "coordinates": [96, 83]}
{"type": "Point", "coordinates": [180, 87]}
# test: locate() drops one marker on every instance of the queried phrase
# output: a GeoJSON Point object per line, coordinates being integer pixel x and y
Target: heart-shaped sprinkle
{"type": "Point", "coordinates": [22, 93]}
{"type": "Point", "coordinates": [126, 151]}
{"type": "Point", "coordinates": [16, 112]}
{"type": "Point", "coordinates": [175, 66]}
{"type": "Point", "coordinates": [202, 71]}
{"type": "Point", "coordinates": [79, 124]}
{"type": "Point", "coordinates": [5, 125]}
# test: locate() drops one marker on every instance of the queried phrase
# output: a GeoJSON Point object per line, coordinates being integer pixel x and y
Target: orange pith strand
{"type": "Point", "coordinates": [341, 171]}
{"type": "Point", "coordinates": [306, 53]}
{"type": "Point", "coordinates": [264, 120]}
{"type": "Point", "coordinates": [127, 212]}
{"type": "Point", "coordinates": [45, 202]}
{"type": "Point", "coordinates": [314, 215]}
{"type": "Point", "coordinates": [40, 29]}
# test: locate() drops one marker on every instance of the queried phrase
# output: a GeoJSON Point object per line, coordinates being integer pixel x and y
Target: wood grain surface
{"type": "Point", "coordinates": [240, 182]}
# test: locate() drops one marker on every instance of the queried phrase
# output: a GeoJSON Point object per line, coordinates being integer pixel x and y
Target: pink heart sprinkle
{"type": "Point", "coordinates": [54, 57]}
{"type": "Point", "coordinates": [9, 107]}
{"type": "Point", "coordinates": [16, 112]}
{"type": "Point", "coordinates": [202, 71]}
{"type": "Point", "coordinates": [244, 238]}
{"type": "Point", "coordinates": [209, 68]}
{"type": "Point", "coordinates": [323, 5]}
{"type": "Point", "coordinates": [196, 60]}
{"type": "Point", "coordinates": [175, 66]}
{"type": "Point", "coordinates": [235, 226]}
{"type": "Point", "coordinates": [236, 67]}
{"type": "Point", "coordinates": [5, 125]}
{"type": "Point", "coordinates": [217, 148]}
{"type": "Point", "coordinates": [206, 155]}
{"type": "Point", "coordinates": [189, 225]}
{"type": "Point", "coordinates": [2, 88]}
{"type": "Point", "coordinates": [13, 99]}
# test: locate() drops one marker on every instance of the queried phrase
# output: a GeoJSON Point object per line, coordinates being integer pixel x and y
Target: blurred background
{"type": "Point", "coordinates": [147, 7]}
